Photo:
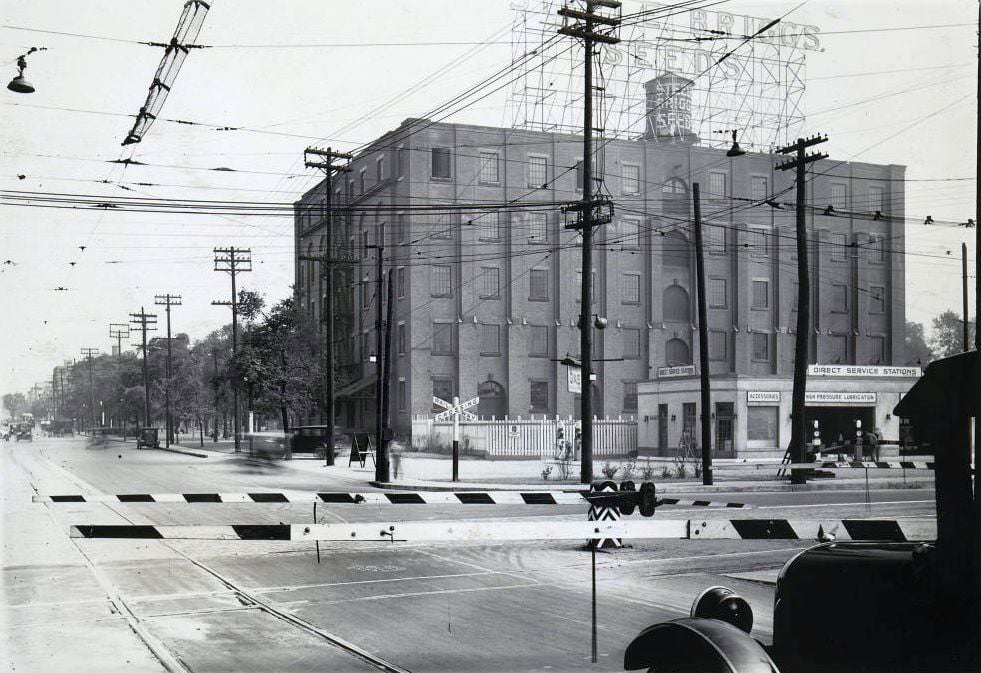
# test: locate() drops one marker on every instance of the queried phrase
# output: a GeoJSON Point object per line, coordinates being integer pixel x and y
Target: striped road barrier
{"type": "Point", "coordinates": [893, 530]}
{"type": "Point", "coordinates": [870, 465]}
{"type": "Point", "coordinates": [377, 498]}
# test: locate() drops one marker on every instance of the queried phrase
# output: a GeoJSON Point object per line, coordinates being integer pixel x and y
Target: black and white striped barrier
{"type": "Point", "coordinates": [893, 530]}
{"type": "Point", "coordinates": [874, 464]}
{"type": "Point", "coordinates": [604, 499]}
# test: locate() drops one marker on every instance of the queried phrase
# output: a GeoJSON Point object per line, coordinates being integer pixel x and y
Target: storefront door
{"type": "Point", "coordinates": [724, 420]}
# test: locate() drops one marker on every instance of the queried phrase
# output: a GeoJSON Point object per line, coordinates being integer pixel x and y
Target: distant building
{"type": "Point", "coordinates": [488, 278]}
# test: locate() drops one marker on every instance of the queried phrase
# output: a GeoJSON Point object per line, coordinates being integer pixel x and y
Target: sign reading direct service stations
{"type": "Point", "coordinates": [864, 370]}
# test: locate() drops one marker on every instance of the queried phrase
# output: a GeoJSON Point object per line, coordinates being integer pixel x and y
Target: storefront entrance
{"type": "Point", "coordinates": [837, 425]}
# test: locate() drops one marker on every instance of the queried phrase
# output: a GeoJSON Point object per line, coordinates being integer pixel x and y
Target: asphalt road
{"type": "Point", "coordinates": [202, 606]}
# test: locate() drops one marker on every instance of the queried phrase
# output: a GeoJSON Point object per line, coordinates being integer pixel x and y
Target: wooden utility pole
{"type": "Point", "coordinates": [703, 354]}
{"type": "Point", "coordinates": [88, 353]}
{"type": "Point", "coordinates": [381, 446]}
{"type": "Point", "coordinates": [387, 371]}
{"type": "Point", "coordinates": [326, 164]}
{"type": "Point", "coordinates": [795, 451]}
{"type": "Point", "coordinates": [967, 319]}
{"type": "Point", "coordinates": [119, 331]}
{"type": "Point", "coordinates": [583, 29]}
{"type": "Point", "coordinates": [168, 300]}
{"type": "Point", "coordinates": [233, 260]}
{"type": "Point", "coordinates": [145, 322]}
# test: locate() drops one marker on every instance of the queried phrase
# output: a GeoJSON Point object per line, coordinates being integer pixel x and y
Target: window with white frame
{"type": "Point", "coordinates": [717, 185]}
{"type": "Point", "coordinates": [490, 282]}
{"type": "Point", "coordinates": [761, 294]}
{"type": "Point", "coordinates": [441, 280]}
{"type": "Point", "coordinates": [631, 179]}
{"type": "Point", "coordinates": [441, 163]}
{"type": "Point", "coordinates": [489, 168]}
{"type": "Point", "coordinates": [758, 188]}
{"type": "Point", "coordinates": [630, 396]}
{"type": "Point", "coordinates": [839, 195]}
{"type": "Point", "coordinates": [537, 227]}
{"type": "Point", "coordinates": [631, 288]}
{"type": "Point", "coordinates": [717, 293]}
{"type": "Point", "coordinates": [630, 232]}
{"type": "Point", "coordinates": [537, 171]}
{"type": "Point", "coordinates": [876, 193]}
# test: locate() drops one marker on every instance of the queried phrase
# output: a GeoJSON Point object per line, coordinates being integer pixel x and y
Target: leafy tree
{"type": "Point", "coordinates": [917, 350]}
{"type": "Point", "coordinates": [14, 403]}
{"type": "Point", "coordinates": [948, 334]}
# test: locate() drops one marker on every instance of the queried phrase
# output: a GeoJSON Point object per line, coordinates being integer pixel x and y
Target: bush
{"type": "Point", "coordinates": [546, 472]}
{"type": "Point", "coordinates": [610, 470]}
{"type": "Point", "coordinates": [698, 471]}
{"type": "Point", "coordinates": [647, 472]}
{"type": "Point", "coordinates": [681, 471]}
{"type": "Point", "coordinates": [628, 470]}
{"type": "Point", "coordinates": [665, 472]}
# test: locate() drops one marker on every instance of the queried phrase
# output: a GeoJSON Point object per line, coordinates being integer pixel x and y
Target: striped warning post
{"type": "Point", "coordinates": [604, 512]}
{"type": "Point", "coordinates": [380, 498]}
{"type": "Point", "coordinates": [892, 530]}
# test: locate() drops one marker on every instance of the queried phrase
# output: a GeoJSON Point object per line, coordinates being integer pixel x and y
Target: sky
{"type": "Point", "coordinates": [894, 83]}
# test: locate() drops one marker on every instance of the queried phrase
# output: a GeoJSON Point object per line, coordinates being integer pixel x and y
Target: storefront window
{"type": "Point", "coordinates": [761, 425]}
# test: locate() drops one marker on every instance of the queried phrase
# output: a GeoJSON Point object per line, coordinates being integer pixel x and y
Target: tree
{"type": "Point", "coordinates": [948, 334]}
{"type": "Point", "coordinates": [917, 350]}
{"type": "Point", "coordinates": [14, 403]}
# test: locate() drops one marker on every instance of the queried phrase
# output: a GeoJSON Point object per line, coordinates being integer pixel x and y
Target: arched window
{"type": "Point", "coordinates": [493, 400]}
{"type": "Point", "coordinates": [676, 353]}
{"type": "Point", "coordinates": [675, 304]}
{"type": "Point", "coordinates": [675, 250]}
{"type": "Point", "coordinates": [674, 197]}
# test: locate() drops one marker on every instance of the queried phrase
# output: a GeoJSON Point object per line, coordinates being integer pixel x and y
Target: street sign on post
{"type": "Point", "coordinates": [575, 379]}
{"type": "Point", "coordinates": [456, 411]}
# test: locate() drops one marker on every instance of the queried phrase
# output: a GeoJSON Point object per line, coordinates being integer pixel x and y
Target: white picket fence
{"type": "Point", "coordinates": [525, 438]}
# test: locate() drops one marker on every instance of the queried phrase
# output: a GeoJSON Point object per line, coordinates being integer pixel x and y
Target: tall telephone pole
{"type": "Point", "coordinates": [233, 260]}
{"type": "Point", "coordinates": [797, 431]}
{"type": "Point", "coordinates": [381, 459]}
{"type": "Point", "coordinates": [324, 160]}
{"type": "Point", "coordinates": [168, 300]}
{"type": "Point", "coordinates": [145, 322]}
{"type": "Point", "coordinates": [703, 355]}
{"type": "Point", "coordinates": [118, 331]}
{"type": "Point", "coordinates": [88, 353]}
{"type": "Point", "coordinates": [583, 29]}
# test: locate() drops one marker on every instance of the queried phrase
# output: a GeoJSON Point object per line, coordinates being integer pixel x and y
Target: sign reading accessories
{"type": "Point", "coordinates": [762, 396]}
{"type": "Point", "coordinates": [864, 370]}
{"type": "Point", "coordinates": [676, 372]}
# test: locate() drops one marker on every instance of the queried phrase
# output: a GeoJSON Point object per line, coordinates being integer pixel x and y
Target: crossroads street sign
{"type": "Point", "coordinates": [460, 410]}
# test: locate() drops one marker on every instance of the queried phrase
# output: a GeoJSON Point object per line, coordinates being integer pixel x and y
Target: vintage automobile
{"type": "Point", "coordinates": [23, 432]}
{"type": "Point", "coordinates": [860, 607]}
{"type": "Point", "coordinates": [148, 438]}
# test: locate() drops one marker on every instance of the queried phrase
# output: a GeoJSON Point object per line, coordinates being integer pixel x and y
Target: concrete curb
{"type": "Point", "coordinates": [186, 453]}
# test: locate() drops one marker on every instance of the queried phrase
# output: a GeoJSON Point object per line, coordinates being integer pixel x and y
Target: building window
{"type": "Point", "coordinates": [758, 188]}
{"type": "Point", "coordinates": [758, 243]}
{"type": "Point", "coordinates": [443, 338]}
{"type": "Point", "coordinates": [718, 345]}
{"type": "Point", "coordinates": [839, 298]}
{"type": "Point", "coordinates": [839, 348]}
{"type": "Point", "coordinates": [761, 347]}
{"type": "Point", "coordinates": [489, 168]}
{"type": "Point", "coordinates": [717, 186]}
{"type": "Point", "coordinates": [442, 226]}
{"type": "Point", "coordinates": [539, 397]}
{"type": "Point", "coordinates": [877, 299]}
{"type": "Point", "coordinates": [761, 294]}
{"type": "Point", "coordinates": [403, 396]}
{"type": "Point", "coordinates": [715, 238]}
{"type": "Point", "coordinates": [631, 288]}
{"type": "Point", "coordinates": [761, 424]}
{"type": "Point", "coordinates": [675, 304]}
{"type": "Point", "coordinates": [839, 247]}
{"type": "Point", "coordinates": [362, 182]}
{"type": "Point", "coordinates": [380, 169]}
{"type": "Point", "coordinates": [537, 227]}
{"type": "Point", "coordinates": [631, 179]}
{"type": "Point", "coordinates": [489, 226]}
{"type": "Point", "coordinates": [490, 282]}
{"type": "Point", "coordinates": [630, 396]}
{"type": "Point", "coordinates": [592, 287]}
{"type": "Point", "coordinates": [538, 281]}
{"type": "Point", "coordinates": [579, 175]}
{"type": "Point", "coordinates": [795, 296]}
{"type": "Point", "coordinates": [537, 172]}
{"type": "Point", "coordinates": [717, 293]}
{"type": "Point", "coordinates": [877, 348]}
{"type": "Point", "coordinates": [839, 196]}
{"type": "Point", "coordinates": [350, 189]}
{"type": "Point", "coordinates": [400, 282]}
{"type": "Point", "coordinates": [630, 232]}
{"type": "Point", "coordinates": [401, 339]}
{"type": "Point", "coordinates": [441, 163]}
{"type": "Point", "coordinates": [875, 198]}
{"type": "Point", "coordinates": [443, 388]}
{"type": "Point", "coordinates": [441, 280]}
{"type": "Point", "coordinates": [538, 341]}
{"type": "Point", "coordinates": [402, 158]}
{"type": "Point", "coordinates": [877, 250]}
{"type": "Point", "coordinates": [490, 339]}
{"type": "Point", "coordinates": [631, 343]}
{"type": "Point", "coordinates": [676, 353]}
{"type": "Point", "coordinates": [402, 226]}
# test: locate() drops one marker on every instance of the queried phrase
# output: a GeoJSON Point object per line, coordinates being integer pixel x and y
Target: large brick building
{"type": "Point", "coordinates": [488, 287]}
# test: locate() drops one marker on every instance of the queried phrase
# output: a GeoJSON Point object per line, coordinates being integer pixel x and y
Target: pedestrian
{"type": "Point", "coordinates": [395, 458]}
{"type": "Point", "coordinates": [872, 439]}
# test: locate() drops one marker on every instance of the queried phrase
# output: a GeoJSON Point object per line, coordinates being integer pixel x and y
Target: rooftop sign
{"type": "Point", "coordinates": [864, 371]}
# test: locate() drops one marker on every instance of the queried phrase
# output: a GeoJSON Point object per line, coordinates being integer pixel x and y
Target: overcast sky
{"type": "Point", "coordinates": [883, 96]}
